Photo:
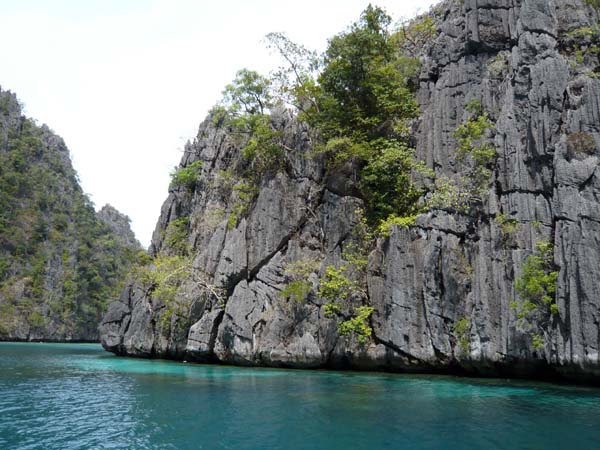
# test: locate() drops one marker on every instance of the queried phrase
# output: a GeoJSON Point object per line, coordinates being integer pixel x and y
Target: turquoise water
{"type": "Point", "coordinates": [62, 396]}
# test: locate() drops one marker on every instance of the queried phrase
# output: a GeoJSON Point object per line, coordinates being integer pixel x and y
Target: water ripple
{"type": "Point", "coordinates": [68, 397]}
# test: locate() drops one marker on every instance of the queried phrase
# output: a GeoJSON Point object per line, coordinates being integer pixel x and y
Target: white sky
{"type": "Point", "coordinates": [127, 82]}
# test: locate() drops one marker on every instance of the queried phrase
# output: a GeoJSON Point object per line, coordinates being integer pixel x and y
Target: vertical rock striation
{"type": "Point", "coordinates": [530, 67]}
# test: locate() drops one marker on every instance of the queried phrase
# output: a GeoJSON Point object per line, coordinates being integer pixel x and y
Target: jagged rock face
{"type": "Point", "coordinates": [511, 55]}
{"type": "Point", "coordinates": [59, 262]}
{"type": "Point", "coordinates": [120, 225]}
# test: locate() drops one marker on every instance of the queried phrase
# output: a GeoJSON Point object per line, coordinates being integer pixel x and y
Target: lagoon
{"type": "Point", "coordinates": [77, 396]}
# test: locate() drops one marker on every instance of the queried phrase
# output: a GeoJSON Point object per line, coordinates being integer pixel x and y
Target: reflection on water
{"type": "Point", "coordinates": [59, 396]}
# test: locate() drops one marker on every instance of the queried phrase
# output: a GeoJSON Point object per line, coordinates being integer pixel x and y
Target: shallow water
{"type": "Point", "coordinates": [76, 396]}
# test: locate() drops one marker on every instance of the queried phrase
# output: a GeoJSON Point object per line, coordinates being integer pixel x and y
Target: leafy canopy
{"type": "Point", "coordinates": [249, 93]}
{"type": "Point", "coordinates": [363, 85]}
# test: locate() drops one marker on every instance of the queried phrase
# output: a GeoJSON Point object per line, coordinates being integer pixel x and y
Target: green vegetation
{"type": "Point", "coordinates": [59, 264]}
{"type": "Point", "coordinates": [363, 85]}
{"type": "Point", "coordinates": [582, 47]}
{"type": "Point", "coordinates": [341, 286]}
{"type": "Point", "coordinates": [163, 279]}
{"type": "Point", "coordinates": [299, 286]}
{"type": "Point", "coordinates": [594, 3]}
{"type": "Point", "coordinates": [508, 224]}
{"type": "Point", "coordinates": [537, 283]}
{"type": "Point", "coordinates": [186, 177]}
{"type": "Point", "coordinates": [176, 235]}
{"type": "Point", "coordinates": [498, 65]}
{"type": "Point", "coordinates": [244, 194]}
{"type": "Point", "coordinates": [462, 330]}
{"type": "Point", "coordinates": [297, 290]}
{"type": "Point", "coordinates": [583, 32]}
{"type": "Point", "coordinates": [536, 287]}
{"type": "Point", "coordinates": [337, 288]}
{"type": "Point", "coordinates": [358, 325]}
{"type": "Point", "coordinates": [474, 150]}
{"type": "Point", "coordinates": [415, 34]}
{"type": "Point", "coordinates": [360, 100]}
{"type": "Point", "coordinates": [245, 109]}
{"type": "Point", "coordinates": [386, 225]}
{"type": "Point", "coordinates": [363, 103]}
{"type": "Point", "coordinates": [477, 155]}
{"type": "Point", "coordinates": [248, 94]}
{"type": "Point", "coordinates": [537, 342]}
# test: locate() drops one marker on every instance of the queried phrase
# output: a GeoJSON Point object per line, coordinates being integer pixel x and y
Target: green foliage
{"type": "Point", "coordinates": [537, 342]}
{"type": "Point", "coordinates": [475, 153]}
{"type": "Point", "coordinates": [498, 65]}
{"type": "Point", "coordinates": [51, 242]}
{"type": "Point", "coordinates": [449, 194]}
{"type": "Point", "coordinates": [462, 330]}
{"type": "Point", "coordinates": [536, 285]}
{"type": "Point", "coordinates": [415, 34]}
{"type": "Point", "coordinates": [295, 81]}
{"type": "Point", "coordinates": [302, 268]}
{"type": "Point", "coordinates": [299, 286]}
{"type": "Point", "coordinates": [176, 235]}
{"type": "Point", "coordinates": [343, 150]}
{"type": "Point", "coordinates": [186, 177]}
{"type": "Point", "coordinates": [386, 181]}
{"type": "Point", "coordinates": [361, 108]}
{"type": "Point", "coordinates": [385, 227]}
{"type": "Point", "coordinates": [244, 194]}
{"type": "Point", "coordinates": [244, 109]}
{"type": "Point", "coordinates": [358, 325]}
{"type": "Point", "coordinates": [537, 282]}
{"type": "Point", "coordinates": [249, 93]}
{"type": "Point", "coordinates": [332, 310]}
{"type": "Point", "coordinates": [508, 225]}
{"type": "Point", "coordinates": [335, 286]}
{"type": "Point", "coordinates": [297, 290]}
{"type": "Point", "coordinates": [36, 320]}
{"type": "Point", "coordinates": [583, 32]}
{"type": "Point", "coordinates": [525, 309]}
{"type": "Point", "coordinates": [363, 87]}
{"type": "Point", "coordinates": [163, 279]}
{"type": "Point", "coordinates": [469, 136]}
{"type": "Point", "coordinates": [582, 47]}
{"type": "Point", "coordinates": [262, 151]}
{"type": "Point", "coordinates": [594, 3]}
{"type": "Point", "coordinates": [356, 252]}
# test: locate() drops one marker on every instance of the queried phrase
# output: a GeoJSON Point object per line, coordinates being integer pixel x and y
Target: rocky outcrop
{"type": "Point", "coordinates": [120, 225]}
{"type": "Point", "coordinates": [526, 63]}
{"type": "Point", "coordinates": [59, 261]}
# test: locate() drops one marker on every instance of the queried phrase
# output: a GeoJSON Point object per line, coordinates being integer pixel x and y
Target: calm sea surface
{"type": "Point", "coordinates": [63, 396]}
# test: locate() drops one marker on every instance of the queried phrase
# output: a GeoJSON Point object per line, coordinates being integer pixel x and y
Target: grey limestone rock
{"type": "Point", "coordinates": [447, 269]}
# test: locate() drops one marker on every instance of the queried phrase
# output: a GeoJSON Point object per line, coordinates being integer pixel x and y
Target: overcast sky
{"type": "Point", "coordinates": [127, 82]}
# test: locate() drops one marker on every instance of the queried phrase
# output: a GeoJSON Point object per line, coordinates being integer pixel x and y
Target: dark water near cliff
{"type": "Point", "coordinates": [57, 396]}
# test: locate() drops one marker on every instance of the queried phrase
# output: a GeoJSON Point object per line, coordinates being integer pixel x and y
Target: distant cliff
{"type": "Point", "coordinates": [495, 272]}
{"type": "Point", "coordinates": [60, 262]}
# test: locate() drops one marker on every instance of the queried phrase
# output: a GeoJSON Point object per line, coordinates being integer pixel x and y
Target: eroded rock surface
{"type": "Point", "coordinates": [515, 57]}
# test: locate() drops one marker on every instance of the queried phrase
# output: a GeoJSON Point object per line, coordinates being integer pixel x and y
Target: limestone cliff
{"type": "Point", "coordinates": [443, 290]}
{"type": "Point", "coordinates": [59, 261]}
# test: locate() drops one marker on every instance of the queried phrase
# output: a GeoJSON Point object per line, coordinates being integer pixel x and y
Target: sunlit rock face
{"type": "Point", "coordinates": [516, 58]}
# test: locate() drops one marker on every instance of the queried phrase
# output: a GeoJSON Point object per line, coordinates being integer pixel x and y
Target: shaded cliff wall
{"type": "Point", "coordinates": [532, 70]}
{"type": "Point", "coordinates": [59, 261]}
